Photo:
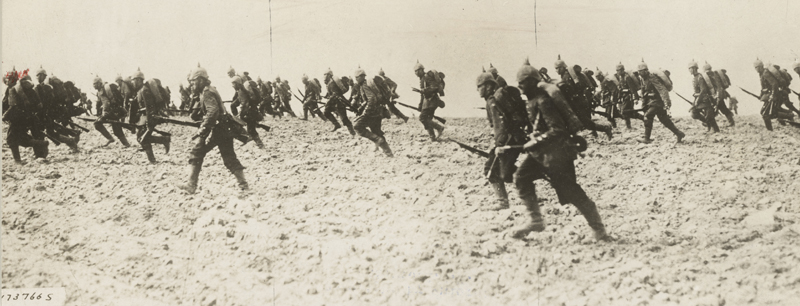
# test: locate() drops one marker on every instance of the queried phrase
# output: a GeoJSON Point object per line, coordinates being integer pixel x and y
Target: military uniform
{"type": "Point", "coordinates": [574, 87]}
{"type": "Point", "coordinates": [312, 96]}
{"type": "Point", "coordinates": [719, 87]}
{"type": "Point", "coordinates": [627, 93]}
{"type": "Point", "coordinates": [249, 114]}
{"type": "Point", "coordinates": [551, 154]}
{"type": "Point", "coordinates": [20, 116]}
{"type": "Point", "coordinates": [703, 108]}
{"type": "Point", "coordinates": [608, 92]}
{"type": "Point", "coordinates": [508, 127]}
{"type": "Point", "coordinates": [214, 131]}
{"type": "Point", "coordinates": [375, 95]}
{"type": "Point", "coordinates": [337, 103]}
{"type": "Point", "coordinates": [144, 107]}
{"type": "Point", "coordinates": [284, 92]}
{"type": "Point", "coordinates": [654, 104]}
{"type": "Point", "coordinates": [57, 110]}
{"type": "Point", "coordinates": [393, 89]}
{"type": "Point", "coordinates": [111, 100]}
{"type": "Point", "coordinates": [429, 101]}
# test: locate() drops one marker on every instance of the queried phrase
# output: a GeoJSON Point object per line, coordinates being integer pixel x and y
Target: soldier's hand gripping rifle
{"type": "Point", "coordinates": [442, 120]}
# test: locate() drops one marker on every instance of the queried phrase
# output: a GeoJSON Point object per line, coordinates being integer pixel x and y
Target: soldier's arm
{"type": "Point", "coordinates": [212, 111]}
{"type": "Point", "coordinates": [430, 84]}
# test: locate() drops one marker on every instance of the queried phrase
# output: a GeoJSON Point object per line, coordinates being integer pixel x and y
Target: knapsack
{"type": "Point", "coordinates": [438, 77]}
{"type": "Point", "coordinates": [783, 81]}
{"type": "Point", "coordinates": [664, 79]}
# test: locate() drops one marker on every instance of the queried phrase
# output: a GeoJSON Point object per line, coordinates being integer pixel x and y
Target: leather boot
{"type": "Point", "coordinates": [502, 197]}
{"type": "Point", "coordinates": [385, 147]}
{"type": "Point", "coordinates": [439, 128]}
{"type": "Point", "coordinates": [628, 123]}
{"type": "Point", "coordinates": [41, 148]}
{"type": "Point", "coordinates": [71, 142]}
{"type": "Point", "coordinates": [768, 122]}
{"type": "Point", "coordinates": [194, 175]}
{"type": "Point", "coordinates": [151, 157]}
{"type": "Point", "coordinates": [239, 174]}
{"type": "Point", "coordinates": [351, 129]}
{"type": "Point", "coordinates": [123, 141]}
{"type": "Point", "coordinates": [432, 134]}
{"type": "Point", "coordinates": [15, 154]}
{"type": "Point", "coordinates": [589, 211]}
{"type": "Point", "coordinates": [164, 140]}
{"type": "Point", "coordinates": [319, 113]}
{"type": "Point", "coordinates": [730, 120]}
{"type": "Point", "coordinates": [648, 129]}
{"type": "Point", "coordinates": [607, 130]}
{"type": "Point", "coordinates": [258, 142]}
{"type": "Point", "coordinates": [536, 223]}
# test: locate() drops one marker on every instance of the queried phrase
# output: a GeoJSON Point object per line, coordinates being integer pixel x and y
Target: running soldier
{"type": "Point", "coordinates": [720, 85]}
{"type": "Point", "coordinates": [608, 92]}
{"type": "Point", "coordinates": [109, 96]}
{"type": "Point", "coordinates": [336, 101]}
{"type": "Point", "coordinates": [21, 116]}
{"type": "Point", "coordinates": [249, 102]}
{"type": "Point", "coordinates": [574, 87]}
{"type": "Point", "coordinates": [703, 108]}
{"type": "Point", "coordinates": [213, 132]}
{"type": "Point", "coordinates": [429, 101]}
{"type": "Point", "coordinates": [655, 92]}
{"type": "Point", "coordinates": [144, 107]}
{"type": "Point", "coordinates": [392, 103]}
{"type": "Point", "coordinates": [551, 154]}
{"type": "Point", "coordinates": [284, 93]}
{"type": "Point", "coordinates": [375, 95]}
{"type": "Point", "coordinates": [312, 97]}
{"type": "Point", "coordinates": [627, 93]}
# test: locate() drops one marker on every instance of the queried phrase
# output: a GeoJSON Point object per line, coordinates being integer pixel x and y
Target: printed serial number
{"type": "Point", "coordinates": [33, 296]}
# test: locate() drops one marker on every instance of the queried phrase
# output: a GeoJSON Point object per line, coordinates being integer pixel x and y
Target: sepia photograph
{"type": "Point", "coordinates": [375, 152]}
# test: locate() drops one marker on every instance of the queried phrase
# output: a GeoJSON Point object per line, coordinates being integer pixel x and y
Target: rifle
{"type": "Point", "coordinates": [750, 93]}
{"type": "Point", "coordinates": [197, 124]}
{"type": "Point", "coordinates": [442, 120]}
{"type": "Point", "coordinates": [798, 94]}
{"type": "Point", "coordinates": [78, 126]}
{"type": "Point", "coordinates": [127, 126]}
{"type": "Point", "coordinates": [471, 149]}
{"type": "Point", "coordinates": [792, 123]}
{"type": "Point", "coordinates": [684, 99]}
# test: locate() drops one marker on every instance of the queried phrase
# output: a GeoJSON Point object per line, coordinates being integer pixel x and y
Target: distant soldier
{"type": "Point", "coordinates": [720, 85]}
{"type": "Point", "coordinates": [20, 116]}
{"type": "Point", "coordinates": [284, 92]}
{"type": "Point", "coordinates": [109, 96]}
{"type": "Point", "coordinates": [86, 103]}
{"type": "Point", "coordinates": [574, 86]}
{"type": "Point", "coordinates": [186, 98]}
{"type": "Point", "coordinates": [145, 106]}
{"type": "Point", "coordinates": [56, 111]}
{"type": "Point", "coordinates": [430, 89]}
{"type": "Point", "coordinates": [375, 95]}
{"type": "Point", "coordinates": [249, 113]}
{"type": "Point", "coordinates": [653, 102]}
{"type": "Point", "coordinates": [508, 127]}
{"type": "Point", "coordinates": [269, 105]}
{"type": "Point", "coordinates": [393, 89]}
{"type": "Point", "coordinates": [608, 90]}
{"type": "Point", "coordinates": [627, 93]}
{"type": "Point", "coordinates": [312, 97]}
{"type": "Point", "coordinates": [703, 108]}
{"type": "Point", "coordinates": [499, 79]}
{"type": "Point", "coordinates": [787, 81]}
{"type": "Point", "coordinates": [127, 91]}
{"type": "Point", "coordinates": [213, 132]}
{"type": "Point", "coordinates": [336, 87]}
{"type": "Point", "coordinates": [544, 75]}
{"type": "Point", "coordinates": [551, 154]}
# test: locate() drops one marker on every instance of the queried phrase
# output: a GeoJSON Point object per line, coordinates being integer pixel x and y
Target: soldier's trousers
{"type": "Point", "coordinates": [98, 125]}
{"type": "Point", "coordinates": [426, 117]}
{"type": "Point", "coordinates": [147, 142]}
{"type": "Point", "coordinates": [369, 127]}
{"type": "Point", "coordinates": [724, 110]}
{"type": "Point", "coordinates": [17, 135]}
{"type": "Point", "coordinates": [626, 105]}
{"type": "Point", "coordinates": [219, 138]}
{"type": "Point", "coordinates": [310, 106]}
{"type": "Point", "coordinates": [287, 107]}
{"type": "Point", "coordinates": [334, 106]}
{"type": "Point", "coordinates": [500, 168]}
{"type": "Point", "coordinates": [658, 111]}
{"type": "Point", "coordinates": [253, 133]}
{"type": "Point", "coordinates": [613, 113]}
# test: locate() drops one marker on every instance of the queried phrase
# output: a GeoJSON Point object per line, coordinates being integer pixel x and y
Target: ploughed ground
{"type": "Point", "coordinates": [712, 221]}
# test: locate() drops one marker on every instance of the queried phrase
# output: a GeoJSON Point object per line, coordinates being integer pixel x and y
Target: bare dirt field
{"type": "Point", "coordinates": [712, 221]}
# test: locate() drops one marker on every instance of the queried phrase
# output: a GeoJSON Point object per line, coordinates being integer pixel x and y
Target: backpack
{"type": "Point", "coordinates": [438, 77]}
{"type": "Point", "coordinates": [518, 103]}
{"type": "Point", "coordinates": [726, 81]}
{"type": "Point", "coordinates": [664, 79]}
{"type": "Point", "coordinates": [779, 76]}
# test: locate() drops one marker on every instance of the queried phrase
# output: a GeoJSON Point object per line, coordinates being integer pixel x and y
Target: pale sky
{"type": "Point", "coordinates": [166, 39]}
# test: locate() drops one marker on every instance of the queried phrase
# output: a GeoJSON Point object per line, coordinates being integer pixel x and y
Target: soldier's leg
{"type": "Point", "coordinates": [502, 171]}
{"type": "Point", "coordinates": [361, 125]}
{"type": "Point", "coordinates": [725, 111]}
{"type": "Point", "coordinates": [253, 133]}
{"type": "Point", "coordinates": [611, 115]}
{"type": "Point", "coordinates": [648, 125]}
{"type": "Point", "coordinates": [711, 119]}
{"type": "Point", "coordinates": [230, 160]}
{"type": "Point", "coordinates": [529, 170]}
{"type": "Point", "coordinates": [563, 179]}
{"type": "Point", "coordinates": [375, 126]}
{"type": "Point", "coordinates": [196, 157]}
{"type": "Point", "coordinates": [144, 142]}
{"type": "Point", "coordinates": [667, 122]}
{"type": "Point", "coordinates": [397, 112]}
{"type": "Point", "coordinates": [120, 135]}
{"type": "Point", "coordinates": [98, 125]}
{"type": "Point", "coordinates": [346, 121]}
{"type": "Point", "coordinates": [329, 109]}
{"type": "Point", "coordinates": [288, 107]}
{"type": "Point", "coordinates": [41, 146]}
{"type": "Point", "coordinates": [15, 136]}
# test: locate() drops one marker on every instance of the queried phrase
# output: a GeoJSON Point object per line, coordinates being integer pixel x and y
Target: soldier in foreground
{"type": "Point", "coordinates": [213, 132]}
{"type": "Point", "coordinates": [144, 108]}
{"type": "Point", "coordinates": [109, 96]}
{"type": "Point", "coordinates": [508, 130]}
{"type": "Point", "coordinates": [551, 154]}
{"type": "Point", "coordinates": [375, 96]}
{"type": "Point", "coordinates": [703, 108]}
{"type": "Point", "coordinates": [653, 99]}
{"type": "Point", "coordinates": [429, 91]}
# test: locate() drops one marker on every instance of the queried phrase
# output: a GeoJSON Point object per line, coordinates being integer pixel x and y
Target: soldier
{"type": "Point", "coordinates": [627, 93]}
{"type": "Point", "coordinates": [269, 105]}
{"type": "Point", "coordinates": [20, 116]}
{"type": "Point", "coordinates": [375, 95]}
{"type": "Point", "coordinates": [86, 103]}
{"type": "Point", "coordinates": [551, 154]}
{"type": "Point", "coordinates": [653, 101]}
{"type": "Point", "coordinates": [312, 97]}
{"type": "Point", "coordinates": [499, 79]}
{"type": "Point", "coordinates": [429, 91]}
{"type": "Point", "coordinates": [55, 110]}
{"type": "Point", "coordinates": [787, 80]}
{"type": "Point", "coordinates": [545, 76]}
{"type": "Point", "coordinates": [336, 101]}
{"type": "Point", "coordinates": [508, 127]}
{"type": "Point", "coordinates": [144, 108]}
{"type": "Point", "coordinates": [284, 93]}
{"type": "Point", "coordinates": [249, 113]}
{"type": "Point", "coordinates": [393, 89]}
{"type": "Point", "coordinates": [574, 89]}
{"type": "Point", "coordinates": [127, 91]}
{"type": "Point", "coordinates": [703, 109]}
{"type": "Point", "coordinates": [608, 90]}
{"type": "Point", "coordinates": [213, 132]}
{"type": "Point", "coordinates": [720, 85]}
{"type": "Point", "coordinates": [111, 100]}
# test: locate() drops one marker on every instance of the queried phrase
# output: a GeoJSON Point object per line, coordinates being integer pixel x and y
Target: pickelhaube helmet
{"type": "Point", "coordinates": [359, 72]}
{"type": "Point", "coordinates": [418, 66]}
{"type": "Point", "coordinates": [642, 65]}
{"type": "Point", "coordinates": [560, 63]}
{"type": "Point", "coordinates": [381, 73]}
{"type": "Point", "coordinates": [693, 64]}
{"type": "Point", "coordinates": [97, 79]}
{"type": "Point", "coordinates": [329, 72]}
{"type": "Point", "coordinates": [231, 70]}
{"type": "Point", "coordinates": [304, 78]}
{"type": "Point", "coordinates": [620, 66]}
{"type": "Point", "coordinates": [484, 78]}
{"type": "Point", "coordinates": [492, 69]}
{"type": "Point", "coordinates": [527, 71]}
{"type": "Point", "coordinates": [199, 72]}
{"type": "Point", "coordinates": [138, 74]}
{"type": "Point", "coordinates": [758, 63]}
{"type": "Point", "coordinates": [707, 67]}
{"type": "Point", "coordinates": [237, 80]}
{"type": "Point", "coordinates": [40, 71]}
